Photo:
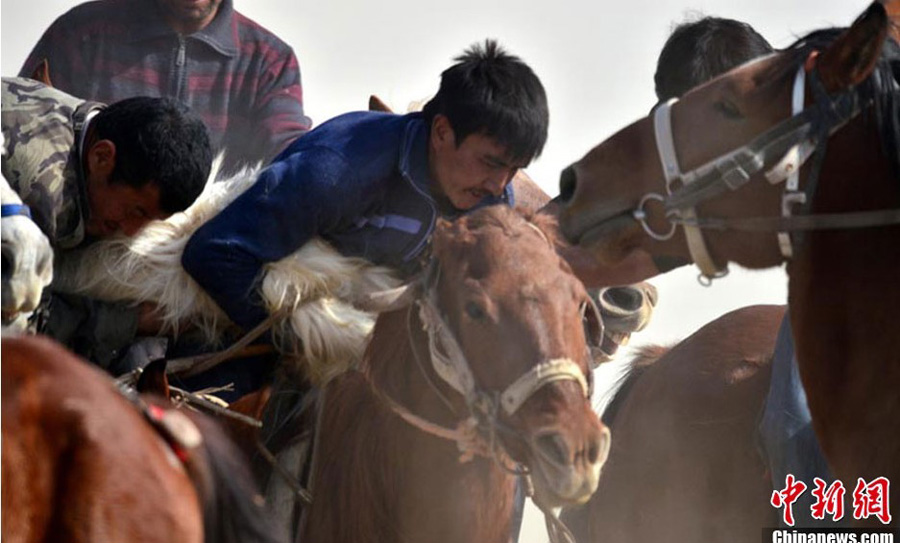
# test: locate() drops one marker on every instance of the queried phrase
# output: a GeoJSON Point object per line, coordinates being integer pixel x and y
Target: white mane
{"type": "Point", "coordinates": [315, 286]}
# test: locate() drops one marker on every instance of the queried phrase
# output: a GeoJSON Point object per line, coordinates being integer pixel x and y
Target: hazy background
{"type": "Point", "coordinates": [596, 60]}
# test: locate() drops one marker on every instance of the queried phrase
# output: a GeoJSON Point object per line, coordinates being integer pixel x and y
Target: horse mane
{"type": "Point", "coordinates": [359, 471]}
{"type": "Point", "coordinates": [644, 357]}
{"type": "Point", "coordinates": [315, 287]}
{"type": "Point", "coordinates": [882, 87]}
{"type": "Point", "coordinates": [224, 484]}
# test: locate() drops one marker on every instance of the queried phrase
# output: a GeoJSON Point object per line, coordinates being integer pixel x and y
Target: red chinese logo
{"type": "Point", "coordinates": [793, 489]}
{"type": "Point", "coordinates": [872, 500]}
{"type": "Point", "coordinates": [829, 501]}
{"type": "Point", "coordinates": [869, 499]}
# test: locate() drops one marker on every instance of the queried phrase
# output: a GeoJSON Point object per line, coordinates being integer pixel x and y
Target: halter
{"type": "Point", "coordinates": [783, 148]}
{"type": "Point", "coordinates": [451, 365]}
{"type": "Point", "coordinates": [477, 434]}
{"type": "Point", "coordinates": [665, 142]}
{"type": "Point", "coordinates": [449, 362]}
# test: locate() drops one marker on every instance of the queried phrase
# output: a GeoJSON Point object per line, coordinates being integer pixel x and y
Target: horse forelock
{"type": "Point", "coordinates": [454, 241]}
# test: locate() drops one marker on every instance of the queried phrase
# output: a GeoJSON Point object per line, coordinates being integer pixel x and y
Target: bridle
{"type": "Point", "coordinates": [477, 433]}
{"type": "Point", "coordinates": [484, 407]}
{"type": "Point", "coordinates": [780, 151]}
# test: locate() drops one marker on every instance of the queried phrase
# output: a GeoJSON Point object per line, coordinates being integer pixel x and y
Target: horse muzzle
{"type": "Point", "coordinates": [567, 471]}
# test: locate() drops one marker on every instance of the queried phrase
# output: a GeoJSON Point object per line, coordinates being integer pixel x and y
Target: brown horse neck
{"type": "Point", "coordinates": [402, 369]}
{"type": "Point", "coordinates": [401, 483]}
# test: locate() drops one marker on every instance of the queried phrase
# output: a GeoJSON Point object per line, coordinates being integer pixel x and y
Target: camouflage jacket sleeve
{"type": "Point", "coordinates": [41, 162]}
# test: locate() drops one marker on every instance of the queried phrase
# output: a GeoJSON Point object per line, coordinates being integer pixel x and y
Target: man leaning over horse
{"type": "Point", "coordinates": [373, 184]}
{"type": "Point", "coordinates": [76, 171]}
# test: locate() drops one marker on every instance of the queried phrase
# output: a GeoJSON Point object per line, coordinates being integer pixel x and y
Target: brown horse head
{"type": "Point", "coordinates": [520, 316]}
{"type": "Point", "coordinates": [618, 193]}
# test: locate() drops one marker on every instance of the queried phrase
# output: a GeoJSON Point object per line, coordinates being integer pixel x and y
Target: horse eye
{"type": "Point", "coordinates": [728, 109]}
{"type": "Point", "coordinates": [475, 311]}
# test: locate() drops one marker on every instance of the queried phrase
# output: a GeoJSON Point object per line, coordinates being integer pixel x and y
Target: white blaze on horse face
{"type": "Point", "coordinates": [27, 261]}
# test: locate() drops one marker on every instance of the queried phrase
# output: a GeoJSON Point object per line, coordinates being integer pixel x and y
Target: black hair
{"type": "Point", "coordinates": [701, 50]}
{"type": "Point", "coordinates": [491, 92]}
{"type": "Point", "coordinates": [158, 140]}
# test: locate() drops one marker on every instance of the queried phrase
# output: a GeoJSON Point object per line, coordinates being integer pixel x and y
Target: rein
{"type": "Point", "coordinates": [178, 432]}
{"type": "Point", "coordinates": [476, 434]}
{"type": "Point", "coordinates": [783, 149]}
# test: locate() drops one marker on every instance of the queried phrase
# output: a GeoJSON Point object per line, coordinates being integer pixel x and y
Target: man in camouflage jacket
{"type": "Point", "coordinates": [84, 171]}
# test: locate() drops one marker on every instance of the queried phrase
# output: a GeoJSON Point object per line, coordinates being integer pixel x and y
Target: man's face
{"type": "Point", "coordinates": [467, 173]}
{"type": "Point", "coordinates": [116, 208]}
{"type": "Point", "coordinates": [190, 11]}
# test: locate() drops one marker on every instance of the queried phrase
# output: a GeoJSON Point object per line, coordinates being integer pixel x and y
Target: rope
{"type": "Point", "coordinates": [302, 494]}
{"type": "Point", "coordinates": [192, 365]}
{"type": "Point", "coordinates": [465, 435]}
{"type": "Point", "coordinates": [415, 350]}
{"type": "Point", "coordinates": [196, 399]}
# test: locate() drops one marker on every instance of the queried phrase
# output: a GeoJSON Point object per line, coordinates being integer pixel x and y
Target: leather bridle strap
{"type": "Point", "coordinates": [820, 221]}
{"type": "Point", "coordinates": [795, 140]}
{"type": "Point", "coordinates": [732, 170]}
{"type": "Point", "coordinates": [558, 369]}
{"type": "Point", "coordinates": [665, 143]}
{"type": "Point", "coordinates": [789, 166]}
{"type": "Point", "coordinates": [451, 365]}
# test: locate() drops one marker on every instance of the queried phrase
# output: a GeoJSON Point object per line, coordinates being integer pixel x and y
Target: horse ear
{"type": "Point", "coordinates": [153, 379]}
{"type": "Point", "coordinates": [41, 72]}
{"type": "Point", "coordinates": [375, 104]}
{"type": "Point", "coordinates": [854, 54]}
{"type": "Point", "coordinates": [893, 12]}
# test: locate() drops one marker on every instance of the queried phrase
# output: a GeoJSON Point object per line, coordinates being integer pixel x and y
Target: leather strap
{"type": "Point", "coordinates": [665, 143]}
{"type": "Point", "coordinates": [11, 210]}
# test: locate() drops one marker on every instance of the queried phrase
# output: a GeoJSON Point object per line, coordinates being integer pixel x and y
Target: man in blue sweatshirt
{"type": "Point", "coordinates": [373, 184]}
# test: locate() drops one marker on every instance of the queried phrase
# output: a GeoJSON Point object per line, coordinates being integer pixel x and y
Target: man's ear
{"type": "Point", "coordinates": [441, 132]}
{"type": "Point", "coordinates": [101, 158]}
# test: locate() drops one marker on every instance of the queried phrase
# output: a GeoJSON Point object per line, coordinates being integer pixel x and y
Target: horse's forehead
{"type": "Point", "coordinates": [520, 261]}
{"type": "Point", "coordinates": [739, 82]}
{"type": "Point", "coordinates": [495, 247]}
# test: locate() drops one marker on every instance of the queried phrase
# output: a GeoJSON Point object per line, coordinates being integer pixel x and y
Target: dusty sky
{"type": "Point", "coordinates": [596, 60]}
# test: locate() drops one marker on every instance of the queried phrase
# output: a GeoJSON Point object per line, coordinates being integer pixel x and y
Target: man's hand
{"type": "Point", "coordinates": [27, 265]}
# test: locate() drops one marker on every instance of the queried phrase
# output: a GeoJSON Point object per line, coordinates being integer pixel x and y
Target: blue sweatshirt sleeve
{"type": "Point", "coordinates": [297, 197]}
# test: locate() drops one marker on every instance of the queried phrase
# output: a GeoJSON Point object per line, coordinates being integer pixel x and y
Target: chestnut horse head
{"type": "Point", "coordinates": [525, 326]}
{"type": "Point", "coordinates": [724, 157]}
{"type": "Point", "coordinates": [480, 372]}
{"type": "Point", "coordinates": [794, 156]}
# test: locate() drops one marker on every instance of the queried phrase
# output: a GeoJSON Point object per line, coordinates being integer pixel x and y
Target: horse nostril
{"type": "Point", "coordinates": [599, 449]}
{"type": "Point", "coordinates": [553, 447]}
{"type": "Point", "coordinates": [628, 298]}
{"type": "Point", "coordinates": [567, 184]}
{"type": "Point", "coordinates": [593, 452]}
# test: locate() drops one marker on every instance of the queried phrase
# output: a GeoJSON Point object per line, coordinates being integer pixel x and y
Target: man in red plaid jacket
{"type": "Point", "coordinates": [239, 78]}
